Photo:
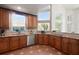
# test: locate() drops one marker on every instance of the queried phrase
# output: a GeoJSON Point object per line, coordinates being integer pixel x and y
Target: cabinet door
{"type": "Point", "coordinates": [0, 17]}
{"type": "Point", "coordinates": [52, 41]}
{"type": "Point", "coordinates": [4, 44]}
{"type": "Point", "coordinates": [74, 46]}
{"type": "Point", "coordinates": [36, 39]}
{"type": "Point", "coordinates": [57, 43]}
{"type": "Point", "coordinates": [45, 39]}
{"type": "Point", "coordinates": [14, 43]}
{"type": "Point", "coordinates": [30, 21]}
{"type": "Point", "coordinates": [40, 39]}
{"type": "Point", "coordinates": [65, 45]}
{"type": "Point", "coordinates": [4, 18]}
{"type": "Point", "coordinates": [22, 41]}
{"type": "Point", "coordinates": [34, 22]}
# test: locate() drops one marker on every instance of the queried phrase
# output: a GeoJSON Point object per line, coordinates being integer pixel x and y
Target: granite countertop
{"type": "Point", "coordinates": [14, 34]}
{"type": "Point", "coordinates": [62, 34]}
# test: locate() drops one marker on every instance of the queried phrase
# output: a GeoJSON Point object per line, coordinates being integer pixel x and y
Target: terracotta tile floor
{"type": "Point", "coordinates": [35, 50]}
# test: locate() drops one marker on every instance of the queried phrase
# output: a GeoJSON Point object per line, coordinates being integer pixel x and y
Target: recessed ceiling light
{"type": "Point", "coordinates": [18, 7]}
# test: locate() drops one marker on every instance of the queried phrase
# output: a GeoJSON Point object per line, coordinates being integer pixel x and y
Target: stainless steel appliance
{"type": "Point", "coordinates": [31, 39]}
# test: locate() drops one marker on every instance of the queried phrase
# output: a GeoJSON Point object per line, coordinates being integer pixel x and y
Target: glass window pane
{"type": "Point", "coordinates": [18, 22]}
{"type": "Point", "coordinates": [44, 26]}
{"type": "Point", "coordinates": [43, 15]}
{"type": "Point", "coordinates": [58, 23]}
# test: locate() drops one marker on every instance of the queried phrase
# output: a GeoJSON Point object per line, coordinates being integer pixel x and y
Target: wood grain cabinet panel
{"type": "Point", "coordinates": [4, 18]}
{"type": "Point", "coordinates": [22, 41]}
{"type": "Point", "coordinates": [45, 39]}
{"type": "Point", "coordinates": [57, 42]}
{"type": "Point", "coordinates": [65, 45]}
{"type": "Point", "coordinates": [40, 39]}
{"type": "Point", "coordinates": [36, 39]}
{"type": "Point", "coordinates": [14, 43]}
{"type": "Point", "coordinates": [32, 21]}
{"type": "Point", "coordinates": [4, 44]}
{"type": "Point", "coordinates": [74, 47]}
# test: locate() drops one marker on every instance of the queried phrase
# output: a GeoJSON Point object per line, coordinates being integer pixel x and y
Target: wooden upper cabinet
{"type": "Point", "coordinates": [32, 21]}
{"type": "Point", "coordinates": [4, 44]}
{"type": "Point", "coordinates": [4, 18]}
{"type": "Point", "coordinates": [35, 21]}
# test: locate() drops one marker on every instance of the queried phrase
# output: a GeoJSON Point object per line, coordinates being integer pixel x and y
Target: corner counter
{"type": "Point", "coordinates": [67, 43]}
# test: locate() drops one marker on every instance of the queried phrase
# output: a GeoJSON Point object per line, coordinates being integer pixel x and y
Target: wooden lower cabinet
{"type": "Point", "coordinates": [42, 39]}
{"type": "Point", "coordinates": [70, 46]}
{"type": "Point", "coordinates": [65, 45]}
{"type": "Point", "coordinates": [39, 39]}
{"type": "Point", "coordinates": [51, 41]}
{"type": "Point", "coordinates": [22, 41]}
{"type": "Point", "coordinates": [14, 43]}
{"type": "Point", "coordinates": [74, 47]}
{"type": "Point", "coordinates": [4, 44]}
{"type": "Point", "coordinates": [57, 42]}
{"type": "Point", "coordinates": [45, 39]}
{"type": "Point", "coordinates": [36, 39]}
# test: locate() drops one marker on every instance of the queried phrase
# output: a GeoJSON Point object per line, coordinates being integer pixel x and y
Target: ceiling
{"type": "Point", "coordinates": [27, 8]}
{"type": "Point", "coordinates": [71, 6]}
{"type": "Point", "coordinates": [34, 8]}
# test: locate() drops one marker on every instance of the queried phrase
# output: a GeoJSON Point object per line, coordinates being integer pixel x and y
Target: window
{"type": "Point", "coordinates": [18, 22]}
{"type": "Point", "coordinates": [43, 26]}
{"type": "Point", "coordinates": [43, 21]}
{"type": "Point", "coordinates": [44, 15]}
{"type": "Point", "coordinates": [58, 23]}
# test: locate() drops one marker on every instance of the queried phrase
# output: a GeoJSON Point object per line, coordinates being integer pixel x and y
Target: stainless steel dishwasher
{"type": "Point", "coordinates": [30, 39]}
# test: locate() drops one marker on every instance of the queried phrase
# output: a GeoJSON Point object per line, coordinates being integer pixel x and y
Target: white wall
{"type": "Point", "coordinates": [58, 10]}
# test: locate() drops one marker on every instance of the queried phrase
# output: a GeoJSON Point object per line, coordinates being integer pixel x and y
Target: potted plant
{"type": "Point", "coordinates": [45, 27]}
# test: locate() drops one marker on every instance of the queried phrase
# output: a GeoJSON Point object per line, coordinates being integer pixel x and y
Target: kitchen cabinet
{"type": "Point", "coordinates": [4, 44]}
{"type": "Point", "coordinates": [42, 39]}
{"type": "Point", "coordinates": [51, 41]}
{"type": "Point", "coordinates": [32, 21]}
{"type": "Point", "coordinates": [74, 47]}
{"type": "Point", "coordinates": [70, 46]}
{"type": "Point", "coordinates": [4, 18]}
{"type": "Point", "coordinates": [65, 45]}
{"type": "Point", "coordinates": [39, 39]}
{"type": "Point", "coordinates": [14, 42]}
{"type": "Point", "coordinates": [45, 39]}
{"type": "Point", "coordinates": [57, 42]}
{"type": "Point", "coordinates": [36, 38]}
{"type": "Point", "coordinates": [22, 41]}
